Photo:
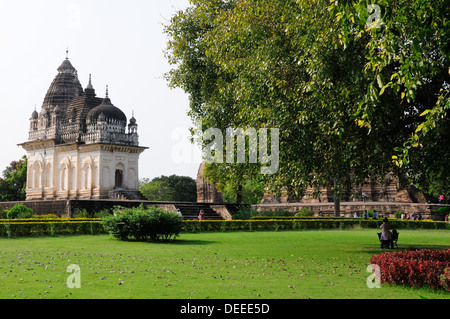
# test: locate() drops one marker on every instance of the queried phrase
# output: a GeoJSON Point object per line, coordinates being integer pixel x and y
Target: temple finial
{"type": "Point", "coordinates": [107, 93]}
{"type": "Point", "coordinates": [67, 53]}
{"type": "Point", "coordinates": [89, 86]}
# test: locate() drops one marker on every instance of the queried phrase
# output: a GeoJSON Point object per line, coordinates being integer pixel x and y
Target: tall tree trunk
{"type": "Point", "coordinates": [239, 194]}
{"type": "Point", "coordinates": [337, 200]}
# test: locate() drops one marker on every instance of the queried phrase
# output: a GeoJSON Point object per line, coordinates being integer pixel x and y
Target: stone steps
{"type": "Point", "coordinates": [190, 211]}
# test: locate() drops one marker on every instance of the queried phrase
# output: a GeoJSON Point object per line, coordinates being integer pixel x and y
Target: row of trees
{"type": "Point", "coordinates": [184, 189]}
{"type": "Point", "coordinates": [169, 188]}
{"type": "Point", "coordinates": [356, 90]}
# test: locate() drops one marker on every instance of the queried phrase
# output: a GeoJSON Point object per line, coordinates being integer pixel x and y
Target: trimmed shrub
{"type": "Point", "coordinates": [19, 211]}
{"type": "Point", "coordinates": [142, 224]}
{"type": "Point", "coordinates": [302, 223]}
{"type": "Point", "coordinates": [135, 224]}
{"type": "Point", "coordinates": [304, 217]}
{"type": "Point", "coordinates": [46, 216]}
{"type": "Point", "coordinates": [57, 226]}
{"type": "Point", "coordinates": [415, 268]}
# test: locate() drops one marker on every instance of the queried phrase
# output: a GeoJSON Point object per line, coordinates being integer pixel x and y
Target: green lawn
{"type": "Point", "coordinates": [267, 265]}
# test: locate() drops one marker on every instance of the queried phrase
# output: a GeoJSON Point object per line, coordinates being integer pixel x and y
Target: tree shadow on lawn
{"type": "Point", "coordinates": [184, 242]}
{"type": "Point", "coordinates": [375, 249]}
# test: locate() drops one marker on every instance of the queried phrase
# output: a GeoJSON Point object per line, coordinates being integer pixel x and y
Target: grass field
{"type": "Point", "coordinates": [267, 265]}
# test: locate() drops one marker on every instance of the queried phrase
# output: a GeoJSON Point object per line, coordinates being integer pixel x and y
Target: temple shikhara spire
{"type": "Point", "coordinates": [78, 146]}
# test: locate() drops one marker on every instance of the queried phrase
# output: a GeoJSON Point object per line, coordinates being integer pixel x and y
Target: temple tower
{"type": "Point", "coordinates": [79, 146]}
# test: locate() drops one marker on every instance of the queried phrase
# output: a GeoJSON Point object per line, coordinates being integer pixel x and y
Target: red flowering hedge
{"type": "Point", "coordinates": [427, 267]}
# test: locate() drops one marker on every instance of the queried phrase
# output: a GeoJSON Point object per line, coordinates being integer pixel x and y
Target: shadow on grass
{"type": "Point", "coordinates": [422, 246]}
{"type": "Point", "coordinates": [377, 250]}
{"type": "Point", "coordinates": [176, 242]}
{"type": "Point", "coordinates": [192, 242]}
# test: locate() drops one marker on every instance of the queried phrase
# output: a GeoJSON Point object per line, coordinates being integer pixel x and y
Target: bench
{"type": "Point", "coordinates": [389, 243]}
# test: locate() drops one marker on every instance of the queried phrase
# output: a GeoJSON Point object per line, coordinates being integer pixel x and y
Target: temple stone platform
{"type": "Point", "coordinates": [348, 209]}
{"type": "Point", "coordinates": [69, 208]}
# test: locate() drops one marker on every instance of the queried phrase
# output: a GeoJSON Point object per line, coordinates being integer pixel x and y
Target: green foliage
{"type": "Point", "coordinates": [84, 213]}
{"type": "Point", "coordinates": [277, 224]}
{"type": "Point", "coordinates": [170, 188]}
{"type": "Point", "coordinates": [247, 212]}
{"type": "Point", "coordinates": [299, 223]}
{"type": "Point", "coordinates": [305, 212]}
{"type": "Point", "coordinates": [398, 214]}
{"type": "Point", "coordinates": [407, 62]}
{"type": "Point", "coordinates": [443, 210]}
{"type": "Point", "coordinates": [19, 211]}
{"type": "Point", "coordinates": [350, 100]}
{"type": "Point", "coordinates": [50, 226]}
{"type": "Point", "coordinates": [251, 192]}
{"type": "Point", "coordinates": [3, 213]}
{"type": "Point", "coordinates": [276, 64]}
{"type": "Point", "coordinates": [13, 183]}
{"type": "Point", "coordinates": [142, 224]}
{"type": "Point", "coordinates": [46, 216]}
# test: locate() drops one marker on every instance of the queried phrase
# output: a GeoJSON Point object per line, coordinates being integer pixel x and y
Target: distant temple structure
{"type": "Point", "coordinates": [207, 192]}
{"type": "Point", "coordinates": [80, 146]}
{"type": "Point", "coordinates": [372, 190]}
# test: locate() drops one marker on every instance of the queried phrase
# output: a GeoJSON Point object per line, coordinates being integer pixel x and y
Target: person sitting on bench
{"type": "Point", "coordinates": [386, 235]}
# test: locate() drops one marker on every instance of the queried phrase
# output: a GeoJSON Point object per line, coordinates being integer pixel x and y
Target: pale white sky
{"type": "Point", "coordinates": [121, 44]}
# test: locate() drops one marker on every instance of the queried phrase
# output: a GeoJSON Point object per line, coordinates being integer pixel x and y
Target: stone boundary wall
{"type": "Point", "coordinates": [348, 209]}
{"type": "Point", "coordinates": [41, 207]}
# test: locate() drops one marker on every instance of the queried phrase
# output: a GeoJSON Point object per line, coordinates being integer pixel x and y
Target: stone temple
{"type": "Point", "coordinates": [80, 146]}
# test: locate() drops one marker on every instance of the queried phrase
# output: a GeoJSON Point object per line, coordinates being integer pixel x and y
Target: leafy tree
{"type": "Point", "coordinates": [13, 183]}
{"type": "Point", "coordinates": [296, 66]}
{"type": "Point", "coordinates": [170, 188]}
{"type": "Point", "coordinates": [251, 193]}
{"type": "Point", "coordinates": [407, 55]}
{"type": "Point", "coordinates": [157, 190]}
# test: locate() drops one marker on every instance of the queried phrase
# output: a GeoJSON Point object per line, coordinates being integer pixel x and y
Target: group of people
{"type": "Point", "coordinates": [200, 216]}
{"type": "Point", "coordinates": [408, 216]}
{"type": "Point", "coordinates": [403, 216]}
{"type": "Point", "coordinates": [366, 214]}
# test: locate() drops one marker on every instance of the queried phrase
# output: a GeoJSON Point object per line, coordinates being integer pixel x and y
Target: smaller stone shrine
{"type": "Point", "coordinates": [207, 192]}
